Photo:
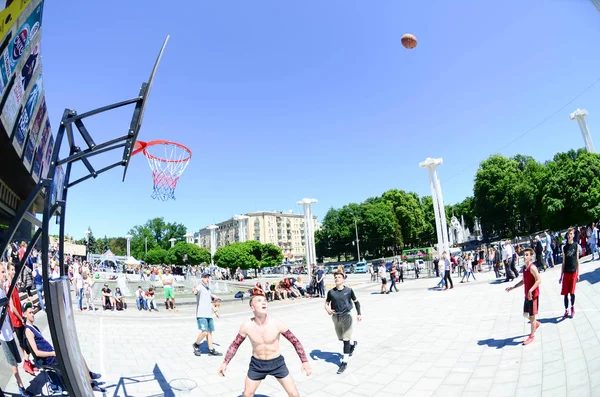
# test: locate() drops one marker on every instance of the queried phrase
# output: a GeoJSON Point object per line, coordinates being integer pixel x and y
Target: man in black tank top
{"type": "Point", "coordinates": [338, 305]}
{"type": "Point", "coordinates": [569, 274]}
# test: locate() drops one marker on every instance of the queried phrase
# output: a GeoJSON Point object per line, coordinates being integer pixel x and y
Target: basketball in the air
{"type": "Point", "coordinates": [409, 41]}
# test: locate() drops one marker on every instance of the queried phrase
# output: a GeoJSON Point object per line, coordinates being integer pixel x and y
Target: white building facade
{"type": "Point", "coordinates": [283, 229]}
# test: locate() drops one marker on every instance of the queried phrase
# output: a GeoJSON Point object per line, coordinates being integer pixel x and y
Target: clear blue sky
{"type": "Point", "coordinates": [282, 100]}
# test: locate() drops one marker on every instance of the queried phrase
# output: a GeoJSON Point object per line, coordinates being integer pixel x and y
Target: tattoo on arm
{"type": "Point", "coordinates": [234, 347]}
{"type": "Point", "coordinates": [297, 345]}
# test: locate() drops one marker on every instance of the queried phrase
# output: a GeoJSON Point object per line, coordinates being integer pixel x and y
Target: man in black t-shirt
{"type": "Point", "coordinates": [108, 300]}
{"type": "Point", "coordinates": [539, 254]}
{"type": "Point", "coordinates": [569, 272]}
{"type": "Point", "coordinates": [338, 305]}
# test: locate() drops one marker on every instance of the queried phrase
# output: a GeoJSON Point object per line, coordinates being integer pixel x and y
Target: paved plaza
{"type": "Point", "coordinates": [418, 342]}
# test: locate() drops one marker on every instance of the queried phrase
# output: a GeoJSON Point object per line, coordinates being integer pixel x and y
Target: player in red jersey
{"type": "Point", "coordinates": [569, 272]}
{"type": "Point", "coordinates": [531, 280]}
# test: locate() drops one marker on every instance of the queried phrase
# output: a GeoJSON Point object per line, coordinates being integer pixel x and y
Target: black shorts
{"type": "Point", "coordinates": [531, 307]}
{"type": "Point", "coordinates": [259, 369]}
{"type": "Point", "coordinates": [20, 334]}
{"type": "Point", "coordinates": [383, 281]}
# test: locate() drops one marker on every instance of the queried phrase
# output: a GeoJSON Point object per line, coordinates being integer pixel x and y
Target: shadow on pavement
{"type": "Point", "coordinates": [591, 277]}
{"type": "Point", "coordinates": [328, 357]}
{"type": "Point", "coordinates": [256, 395]}
{"type": "Point", "coordinates": [553, 320]}
{"type": "Point", "coordinates": [498, 281]}
{"type": "Point", "coordinates": [501, 343]}
{"type": "Point", "coordinates": [436, 289]}
{"type": "Point", "coordinates": [204, 346]}
{"type": "Point", "coordinates": [156, 376]}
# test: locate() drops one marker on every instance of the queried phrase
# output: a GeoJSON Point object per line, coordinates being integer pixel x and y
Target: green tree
{"type": "Point", "coordinates": [154, 233]}
{"type": "Point", "coordinates": [379, 231]}
{"type": "Point", "coordinates": [528, 189]}
{"type": "Point", "coordinates": [409, 214]}
{"type": "Point", "coordinates": [235, 255]}
{"type": "Point", "coordinates": [142, 238]}
{"type": "Point", "coordinates": [173, 230]}
{"type": "Point", "coordinates": [118, 245]}
{"type": "Point", "coordinates": [271, 256]}
{"type": "Point", "coordinates": [92, 243]}
{"type": "Point", "coordinates": [571, 192]}
{"type": "Point", "coordinates": [255, 249]}
{"type": "Point", "coordinates": [102, 245]}
{"type": "Point", "coordinates": [337, 231]}
{"type": "Point", "coordinates": [495, 193]}
{"type": "Point", "coordinates": [428, 233]}
{"type": "Point", "coordinates": [157, 256]}
{"type": "Point", "coordinates": [195, 254]}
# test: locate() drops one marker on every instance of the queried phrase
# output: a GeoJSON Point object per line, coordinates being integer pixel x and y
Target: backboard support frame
{"type": "Point", "coordinates": [71, 123]}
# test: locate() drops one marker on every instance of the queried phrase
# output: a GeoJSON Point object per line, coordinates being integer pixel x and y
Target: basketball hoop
{"type": "Point", "coordinates": [167, 161]}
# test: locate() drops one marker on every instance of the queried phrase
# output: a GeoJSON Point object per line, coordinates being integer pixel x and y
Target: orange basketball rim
{"type": "Point", "coordinates": [167, 161]}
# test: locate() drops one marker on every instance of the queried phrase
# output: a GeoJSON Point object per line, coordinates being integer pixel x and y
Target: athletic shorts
{"type": "Point", "coordinates": [169, 293]}
{"type": "Point", "coordinates": [259, 369]}
{"type": "Point", "coordinates": [205, 324]}
{"type": "Point", "coordinates": [530, 308]}
{"type": "Point", "coordinates": [20, 334]}
{"type": "Point", "coordinates": [343, 325]}
{"type": "Point", "coordinates": [383, 281]}
{"type": "Point", "coordinates": [569, 283]}
{"type": "Point", "coordinates": [11, 352]}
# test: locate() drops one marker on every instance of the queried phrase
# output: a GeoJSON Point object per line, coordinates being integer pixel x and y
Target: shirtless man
{"type": "Point", "coordinates": [264, 332]}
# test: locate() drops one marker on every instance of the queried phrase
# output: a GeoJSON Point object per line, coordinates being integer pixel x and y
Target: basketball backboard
{"type": "Point", "coordinates": [138, 114]}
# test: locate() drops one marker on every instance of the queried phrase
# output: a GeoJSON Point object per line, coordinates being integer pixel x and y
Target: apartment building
{"type": "Point", "coordinates": [283, 229]}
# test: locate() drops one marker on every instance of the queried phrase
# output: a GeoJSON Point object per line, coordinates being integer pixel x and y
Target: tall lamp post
{"type": "Point", "coordinates": [241, 219]}
{"type": "Point", "coordinates": [356, 231]}
{"type": "Point", "coordinates": [87, 244]}
{"type": "Point", "coordinates": [580, 115]}
{"type": "Point", "coordinates": [213, 242]}
{"type": "Point", "coordinates": [128, 237]}
{"type": "Point", "coordinates": [438, 203]}
{"type": "Point", "coordinates": [309, 232]}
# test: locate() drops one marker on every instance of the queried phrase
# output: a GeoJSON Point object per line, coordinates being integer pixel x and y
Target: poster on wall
{"type": "Point", "coordinates": [37, 164]}
{"type": "Point", "coordinates": [46, 156]}
{"type": "Point", "coordinates": [35, 133]}
{"type": "Point", "coordinates": [19, 44]}
{"type": "Point", "coordinates": [9, 13]}
{"type": "Point", "coordinates": [19, 87]}
{"type": "Point", "coordinates": [22, 126]}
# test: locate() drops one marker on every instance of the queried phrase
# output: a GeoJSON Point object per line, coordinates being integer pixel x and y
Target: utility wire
{"type": "Point", "coordinates": [532, 128]}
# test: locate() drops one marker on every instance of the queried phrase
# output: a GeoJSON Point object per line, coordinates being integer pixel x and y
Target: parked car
{"type": "Point", "coordinates": [348, 269]}
{"type": "Point", "coordinates": [361, 267]}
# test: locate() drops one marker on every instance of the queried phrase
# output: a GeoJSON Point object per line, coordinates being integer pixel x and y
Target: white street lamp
{"type": "Point", "coordinates": [309, 231]}
{"type": "Point", "coordinates": [242, 221]}
{"type": "Point", "coordinates": [580, 115]}
{"type": "Point", "coordinates": [128, 237]}
{"type": "Point", "coordinates": [438, 203]}
{"type": "Point", "coordinates": [213, 241]}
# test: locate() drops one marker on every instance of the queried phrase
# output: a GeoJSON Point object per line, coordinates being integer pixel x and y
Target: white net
{"type": "Point", "coordinates": [167, 161]}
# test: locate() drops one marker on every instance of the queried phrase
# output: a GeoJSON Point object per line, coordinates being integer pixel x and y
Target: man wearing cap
{"type": "Point", "coordinates": [204, 315]}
